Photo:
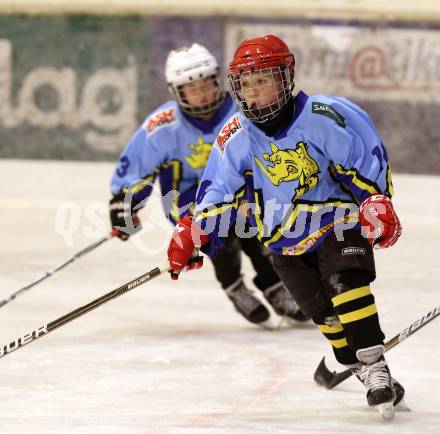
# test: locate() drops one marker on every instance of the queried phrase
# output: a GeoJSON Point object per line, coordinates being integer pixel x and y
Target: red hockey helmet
{"type": "Point", "coordinates": [260, 53]}
{"type": "Point", "coordinates": [255, 61]}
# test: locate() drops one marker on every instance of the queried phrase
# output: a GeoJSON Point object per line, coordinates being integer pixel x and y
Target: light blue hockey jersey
{"type": "Point", "coordinates": [302, 184]}
{"type": "Point", "coordinates": [172, 147]}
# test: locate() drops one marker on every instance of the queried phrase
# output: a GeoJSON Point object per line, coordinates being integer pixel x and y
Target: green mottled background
{"type": "Point", "coordinates": [85, 44]}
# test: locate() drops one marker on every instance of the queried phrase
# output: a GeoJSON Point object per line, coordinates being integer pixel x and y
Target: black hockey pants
{"type": "Point", "coordinates": [331, 284]}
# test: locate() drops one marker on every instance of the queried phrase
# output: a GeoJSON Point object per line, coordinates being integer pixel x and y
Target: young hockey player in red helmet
{"type": "Point", "coordinates": [306, 163]}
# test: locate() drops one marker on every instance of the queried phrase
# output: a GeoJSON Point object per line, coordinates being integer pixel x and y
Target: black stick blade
{"type": "Point", "coordinates": [324, 377]}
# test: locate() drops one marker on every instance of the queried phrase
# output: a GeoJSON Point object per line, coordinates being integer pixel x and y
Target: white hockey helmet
{"type": "Point", "coordinates": [188, 65]}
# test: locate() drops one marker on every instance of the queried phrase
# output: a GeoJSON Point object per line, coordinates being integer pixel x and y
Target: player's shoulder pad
{"type": "Point", "coordinates": [229, 131]}
{"type": "Point", "coordinates": [329, 107]}
{"type": "Point", "coordinates": [164, 116]}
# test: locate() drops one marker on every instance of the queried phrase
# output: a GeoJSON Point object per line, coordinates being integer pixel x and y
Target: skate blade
{"type": "Point", "coordinates": [268, 325]}
{"type": "Point", "coordinates": [386, 410]}
{"type": "Point", "coordinates": [289, 322]}
{"type": "Point", "coordinates": [402, 406]}
{"type": "Point", "coordinates": [278, 323]}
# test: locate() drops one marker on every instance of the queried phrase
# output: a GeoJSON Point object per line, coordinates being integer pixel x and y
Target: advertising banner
{"type": "Point", "coordinates": [390, 70]}
{"type": "Point", "coordinates": [77, 87]}
{"type": "Point", "coordinates": [70, 86]}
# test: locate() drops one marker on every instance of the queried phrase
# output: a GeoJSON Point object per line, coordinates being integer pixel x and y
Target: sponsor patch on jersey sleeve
{"type": "Point", "coordinates": [229, 130]}
{"type": "Point", "coordinates": [328, 111]}
{"type": "Point", "coordinates": [159, 120]}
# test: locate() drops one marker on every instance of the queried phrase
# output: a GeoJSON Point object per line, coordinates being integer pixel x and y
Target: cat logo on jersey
{"type": "Point", "coordinates": [291, 165]}
{"type": "Point", "coordinates": [232, 127]}
{"type": "Point", "coordinates": [160, 119]}
{"type": "Point", "coordinates": [202, 150]}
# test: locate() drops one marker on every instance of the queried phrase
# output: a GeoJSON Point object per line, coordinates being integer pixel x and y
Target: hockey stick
{"type": "Point", "coordinates": [324, 377]}
{"type": "Point", "coordinates": [49, 327]}
{"type": "Point", "coordinates": [52, 271]}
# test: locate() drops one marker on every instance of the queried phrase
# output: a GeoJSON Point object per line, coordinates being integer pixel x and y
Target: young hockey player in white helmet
{"type": "Point", "coordinates": [173, 144]}
{"type": "Point", "coordinates": [318, 156]}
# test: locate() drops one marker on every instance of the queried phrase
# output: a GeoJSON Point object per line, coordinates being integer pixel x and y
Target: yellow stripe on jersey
{"type": "Point", "coordinates": [222, 208]}
{"type": "Point", "coordinates": [351, 295]}
{"type": "Point", "coordinates": [311, 239]}
{"type": "Point", "coordinates": [356, 180]}
{"type": "Point", "coordinates": [257, 214]}
{"type": "Point", "coordinates": [213, 212]}
{"type": "Point", "coordinates": [290, 221]}
{"type": "Point", "coordinates": [305, 208]}
{"type": "Point", "coordinates": [176, 166]}
{"type": "Point", "coordinates": [389, 181]}
{"type": "Point", "coordinates": [141, 184]}
{"type": "Point", "coordinates": [358, 314]}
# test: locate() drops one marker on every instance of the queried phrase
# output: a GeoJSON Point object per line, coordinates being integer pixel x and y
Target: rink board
{"type": "Point", "coordinates": [77, 86]}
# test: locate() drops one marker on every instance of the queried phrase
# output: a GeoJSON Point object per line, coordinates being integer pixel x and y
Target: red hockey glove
{"type": "Point", "coordinates": [380, 224]}
{"type": "Point", "coordinates": [183, 248]}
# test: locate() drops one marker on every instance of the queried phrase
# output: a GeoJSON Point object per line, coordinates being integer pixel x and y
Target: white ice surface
{"type": "Point", "coordinates": [174, 357]}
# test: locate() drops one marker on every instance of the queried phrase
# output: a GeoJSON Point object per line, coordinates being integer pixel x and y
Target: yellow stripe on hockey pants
{"type": "Point", "coordinates": [354, 305]}
{"type": "Point", "coordinates": [334, 334]}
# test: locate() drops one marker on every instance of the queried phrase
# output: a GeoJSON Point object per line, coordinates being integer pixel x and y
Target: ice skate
{"type": "Point", "coordinates": [283, 303]}
{"type": "Point", "coordinates": [374, 373]}
{"type": "Point", "coordinates": [399, 402]}
{"type": "Point", "coordinates": [248, 305]}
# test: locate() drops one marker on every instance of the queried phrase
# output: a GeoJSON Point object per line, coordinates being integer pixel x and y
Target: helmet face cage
{"type": "Point", "coordinates": [203, 111]}
{"type": "Point", "coordinates": [268, 91]}
{"type": "Point", "coordinates": [194, 64]}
